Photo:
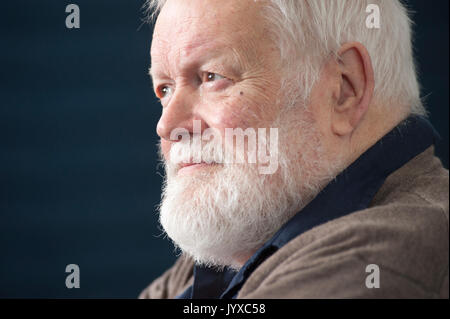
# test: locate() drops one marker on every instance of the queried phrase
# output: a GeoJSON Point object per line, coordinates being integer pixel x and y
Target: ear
{"type": "Point", "coordinates": [355, 90]}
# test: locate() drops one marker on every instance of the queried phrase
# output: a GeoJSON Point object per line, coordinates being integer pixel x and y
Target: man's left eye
{"type": "Point", "coordinates": [210, 77]}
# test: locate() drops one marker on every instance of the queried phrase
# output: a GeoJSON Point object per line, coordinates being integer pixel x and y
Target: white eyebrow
{"type": "Point", "coordinates": [151, 75]}
{"type": "Point", "coordinates": [150, 72]}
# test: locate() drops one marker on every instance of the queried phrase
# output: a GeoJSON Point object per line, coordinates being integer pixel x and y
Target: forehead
{"type": "Point", "coordinates": [186, 29]}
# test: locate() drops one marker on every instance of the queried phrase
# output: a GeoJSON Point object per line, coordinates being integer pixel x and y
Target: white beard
{"type": "Point", "coordinates": [223, 214]}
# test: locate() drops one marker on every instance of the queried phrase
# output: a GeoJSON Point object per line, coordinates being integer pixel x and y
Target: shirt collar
{"type": "Point", "coordinates": [352, 190]}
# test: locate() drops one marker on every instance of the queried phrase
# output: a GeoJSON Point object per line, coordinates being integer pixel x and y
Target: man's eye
{"type": "Point", "coordinates": [210, 77]}
{"type": "Point", "coordinates": [162, 91]}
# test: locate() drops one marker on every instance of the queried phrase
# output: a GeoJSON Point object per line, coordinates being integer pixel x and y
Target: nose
{"type": "Point", "coordinates": [180, 114]}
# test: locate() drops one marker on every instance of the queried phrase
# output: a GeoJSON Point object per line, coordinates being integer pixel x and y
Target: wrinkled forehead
{"type": "Point", "coordinates": [182, 26]}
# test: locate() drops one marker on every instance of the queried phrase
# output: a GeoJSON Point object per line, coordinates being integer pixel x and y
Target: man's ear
{"type": "Point", "coordinates": [355, 90]}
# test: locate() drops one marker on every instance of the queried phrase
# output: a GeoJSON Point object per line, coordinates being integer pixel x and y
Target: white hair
{"type": "Point", "coordinates": [310, 31]}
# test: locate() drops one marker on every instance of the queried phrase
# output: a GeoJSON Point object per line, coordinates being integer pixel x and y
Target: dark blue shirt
{"type": "Point", "coordinates": [352, 190]}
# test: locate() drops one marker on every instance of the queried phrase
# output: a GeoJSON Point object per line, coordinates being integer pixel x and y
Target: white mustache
{"type": "Point", "coordinates": [210, 147]}
{"type": "Point", "coordinates": [210, 152]}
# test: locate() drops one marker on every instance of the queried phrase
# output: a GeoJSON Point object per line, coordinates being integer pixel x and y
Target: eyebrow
{"type": "Point", "coordinates": [150, 72]}
{"type": "Point", "coordinates": [154, 73]}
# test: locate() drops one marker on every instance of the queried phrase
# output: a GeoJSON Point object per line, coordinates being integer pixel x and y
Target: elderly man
{"type": "Point", "coordinates": [357, 205]}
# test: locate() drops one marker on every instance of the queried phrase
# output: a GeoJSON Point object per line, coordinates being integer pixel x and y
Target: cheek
{"type": "Point", "coordinates": [234, 113]}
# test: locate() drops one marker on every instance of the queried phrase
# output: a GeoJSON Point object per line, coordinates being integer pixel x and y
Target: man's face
{"type": "Point", "coordinates": [213, 62]}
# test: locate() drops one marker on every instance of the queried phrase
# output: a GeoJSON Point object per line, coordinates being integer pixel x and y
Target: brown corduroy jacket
{"type": "Point", "coordinates": [405, 232]}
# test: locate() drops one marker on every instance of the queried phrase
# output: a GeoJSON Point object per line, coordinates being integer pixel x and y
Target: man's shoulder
{"type": "Point", "coordinates": [409, 245]}
{"type": "Point", "coordinates": [404, 233]}
{"type": "Point", "coordinates": [423, 181]}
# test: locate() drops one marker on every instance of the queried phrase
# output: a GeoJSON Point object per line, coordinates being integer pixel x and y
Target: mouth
{"type": "Point", "coordinates": [187, 168]}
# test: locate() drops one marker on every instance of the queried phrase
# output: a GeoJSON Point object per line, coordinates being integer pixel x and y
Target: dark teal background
{"type": "Point", "coordinates": [78, 164]}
